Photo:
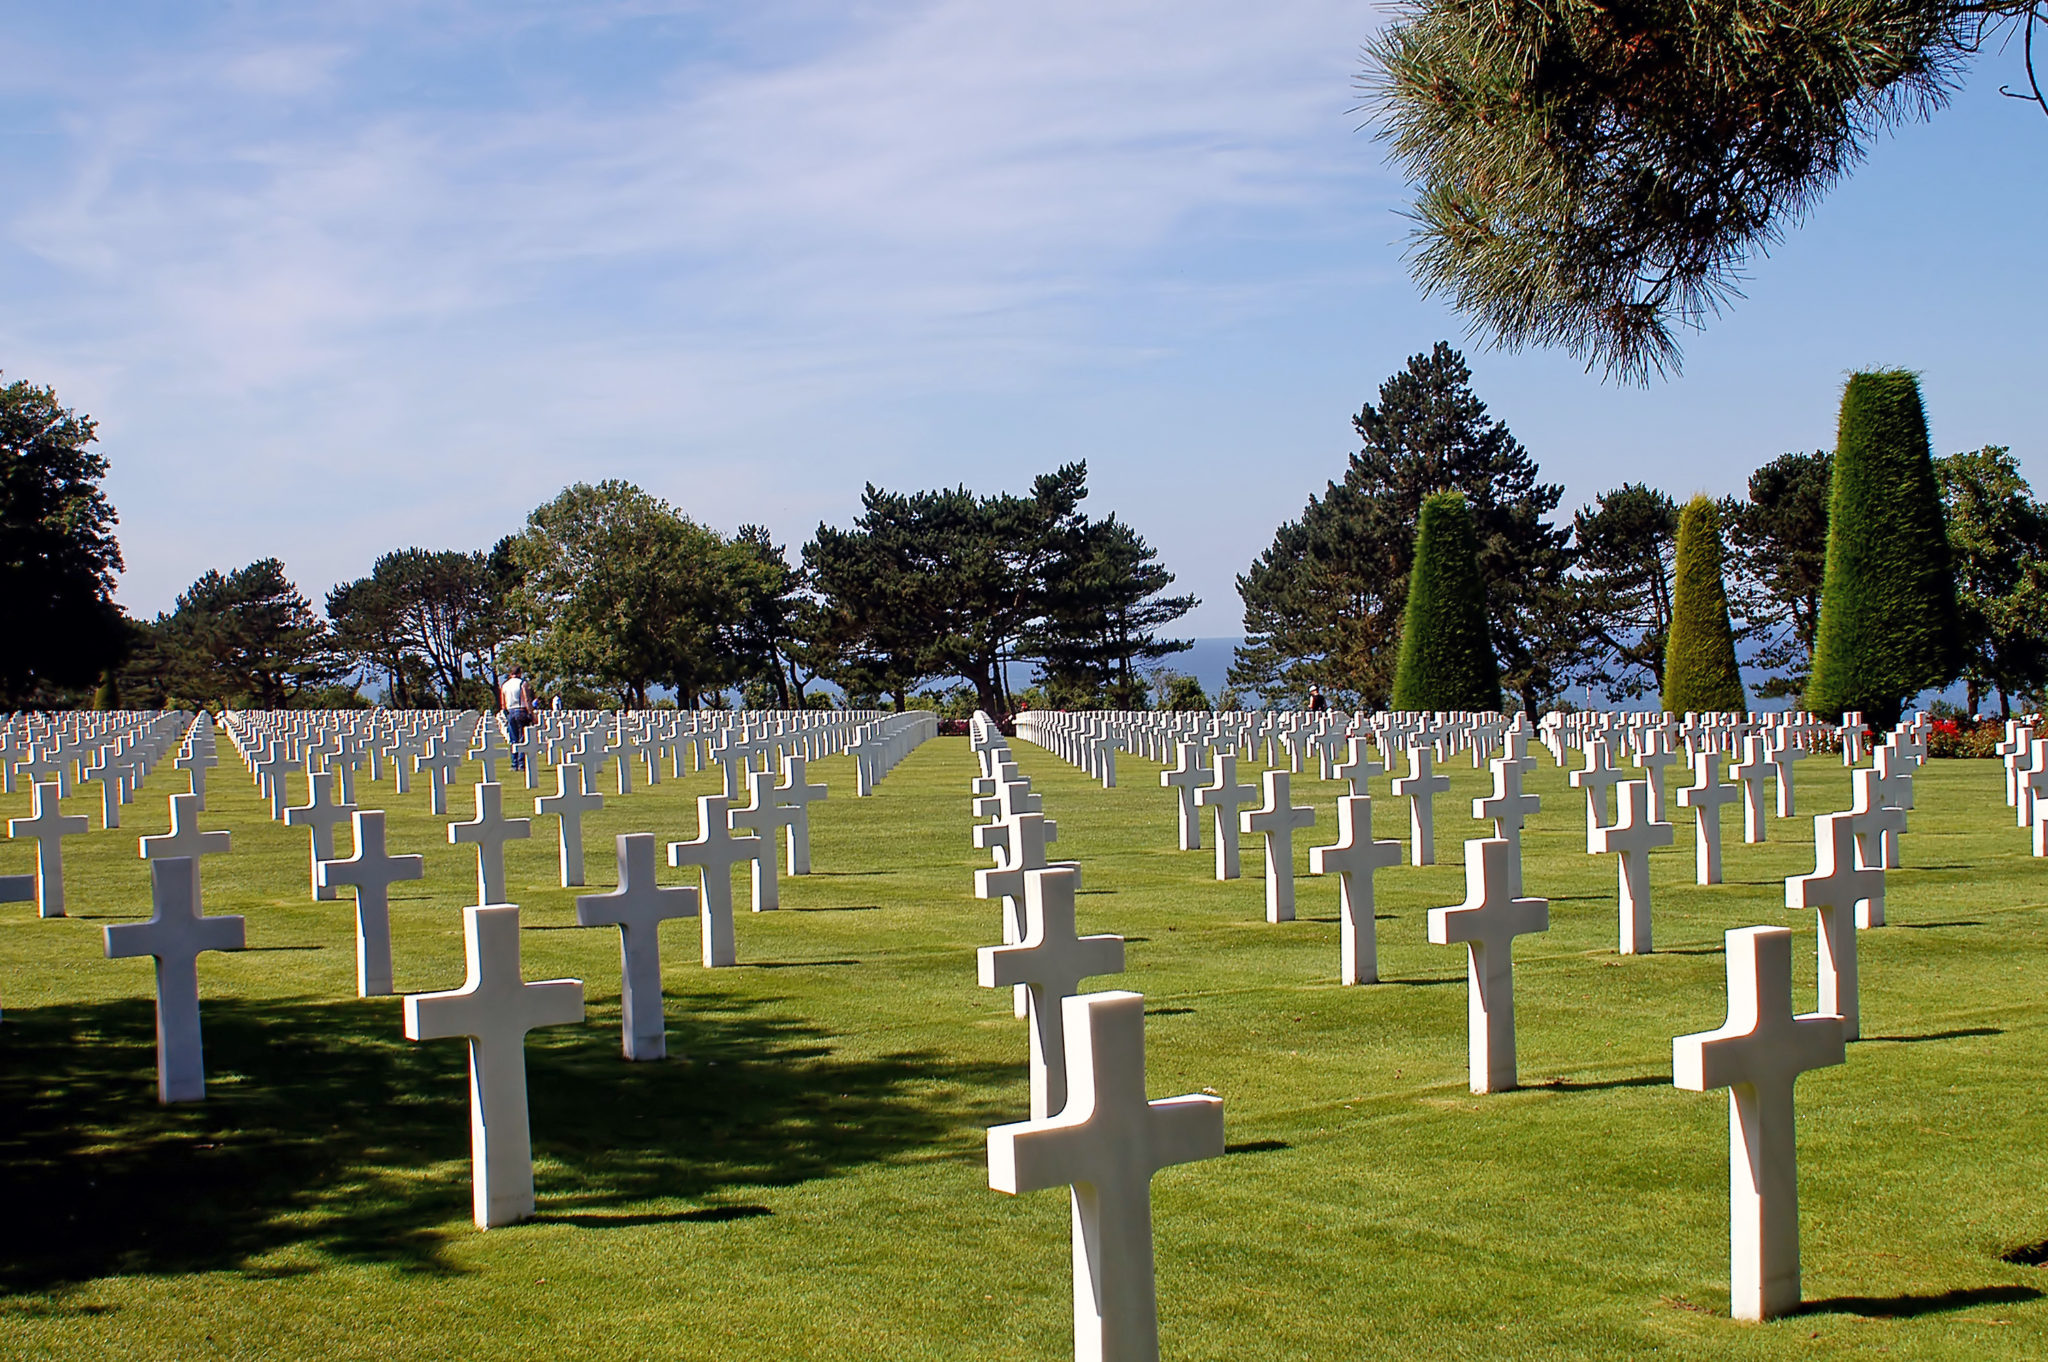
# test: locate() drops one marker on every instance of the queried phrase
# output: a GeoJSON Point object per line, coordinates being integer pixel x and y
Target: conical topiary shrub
{"type": "Point", "coordinates": [1446, 649]}
{"type": "Point", "coordinates": [1888, 625]}
{"type": "Point", "coordinates": [1700, 670]}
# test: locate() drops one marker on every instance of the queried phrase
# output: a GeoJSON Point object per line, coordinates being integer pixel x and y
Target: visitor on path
{"type": "Point", "coordinates": [516, 698]}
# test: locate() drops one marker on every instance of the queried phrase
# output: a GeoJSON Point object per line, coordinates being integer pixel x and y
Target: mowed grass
{"type": "Point", "coordinates": [805, 1176]}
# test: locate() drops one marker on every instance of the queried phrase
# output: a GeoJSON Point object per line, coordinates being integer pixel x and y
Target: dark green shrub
{"type": "Point", "coordinates": [1700, 670]}
{"type": "Point", "coordinates": [1447, 657]}
{"type": "Point", "coordinates": [1888, 624]}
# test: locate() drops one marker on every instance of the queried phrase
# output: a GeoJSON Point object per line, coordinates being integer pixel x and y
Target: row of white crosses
{"type": "Point", "coordinates": [1091, 1128]}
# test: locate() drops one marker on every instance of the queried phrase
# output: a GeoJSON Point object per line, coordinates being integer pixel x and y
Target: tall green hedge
{"type": "Point", "coordinates": [1447, 657]}
{"type": "Point", "coordinates": [1700, 670]}
{"type": "Point", "coordinates": [1888, 600]}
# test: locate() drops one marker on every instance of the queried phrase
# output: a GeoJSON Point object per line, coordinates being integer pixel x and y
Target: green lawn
{"type": "Point", "coordinates": [804, 1177]}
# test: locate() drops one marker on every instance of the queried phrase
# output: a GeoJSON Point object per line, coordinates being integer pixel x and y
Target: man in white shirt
{"type": "Point", "coordinates": [516, 699]}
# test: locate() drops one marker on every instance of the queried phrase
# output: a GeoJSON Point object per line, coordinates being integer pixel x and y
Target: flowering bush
{"type": "Point", "coordinates": [1965, 738]}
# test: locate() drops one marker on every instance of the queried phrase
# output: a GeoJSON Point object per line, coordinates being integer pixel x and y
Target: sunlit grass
{"type": "Point", "coordinates": [804, 1178]}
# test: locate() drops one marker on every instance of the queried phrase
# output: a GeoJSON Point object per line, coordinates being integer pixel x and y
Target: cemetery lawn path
{"type": "Point", "coordinates": [804, 1178]}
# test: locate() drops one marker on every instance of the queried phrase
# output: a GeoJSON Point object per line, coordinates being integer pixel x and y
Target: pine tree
{"type": "Point", "coordinates": [1323, 604]}
{"type": "Point", "coordinates": [1700, 671]}
{"type": "Point", "coordinates": [1447, 657]}
{"type": "Point", "coordinates": [1888, 619]}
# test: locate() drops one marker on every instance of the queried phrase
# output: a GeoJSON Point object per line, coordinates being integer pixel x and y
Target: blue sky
{"type": "Point", "coordinates": [342, 278]}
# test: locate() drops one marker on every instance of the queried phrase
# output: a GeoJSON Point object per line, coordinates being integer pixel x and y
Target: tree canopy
{"type": "Point", "coordinates": [1594, 176]}
{"type": "Point", "coordinates": [58, 554]}
{"type": "Point", "coordinates": [1323, 603]}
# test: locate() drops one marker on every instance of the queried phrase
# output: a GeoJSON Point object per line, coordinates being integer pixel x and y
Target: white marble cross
{"type": "Point", "coordinates": [1598, 777]}
{"type": "Point", "coordinates": [1223, 799]}
{"type": "Point", "coordinates": [570, 801]}
{"type": "Point", "coordinates": [319, 816]}
{"type": "Point", "coordinates": [494, 1009]}
{"type": "Point", "coordinates": [371, 872]}
{"type": "Point", "coordinates": [715, 851]}
{"type": "Point", "coordinates": [1629, 839]}
{"type": "Point", "coordinates": [1277, 821]}
{"type": "Point", "coordinates": [1353, 860]}
{"type": "Point", "coordinates": [1421, 785]}
{"type": "Point", "coordinates": [1781, 754]}
{"type": "Point", "coordinates": [1656, 754]}
{"type": "Point", "coordinates": [1878, 822]}
{"type": "Point", "coordinates": [1185, 780]}
{"type": "Point", "coordinates": [184, 838]}
{"type": "Point", "coordinates": [49, 827]}
{"type": "Point", "coordinates": [1358, 770]}
{"type": "Point", "coordinates": [638, 907]}
{"type": "Point", "coordinates": [1509, 807]}
{"type": "Point", "coordinates": [198, 755]}
{"type": "Point", "coordinates": [271, 771]}
{"type": "Point", "coordinates": [799, 796]}
{"type": "Point", "coordinates": [177, 931]}
{"type": "Point", "coordinates": [1705, 800]}
{"type": "Point", "coordinates": [1106, 1144]}
{"type": "Point", "coordinates": [1488, 922]}
{"type": "Point", "coordinates": [762, 816]}
{"type": "Point", "coordinates": [1757, 1055]}
{"type": "Point", "coordinates": [1048, 964]}
{"type": "Point", "coordinates": [1750, 774]}
{"type": "Point", "coordinates": [440, 765]}
{"type": "Point", "coordinates": [1844, 895]}
{"type": "Point", "coordinates": [488, 832]}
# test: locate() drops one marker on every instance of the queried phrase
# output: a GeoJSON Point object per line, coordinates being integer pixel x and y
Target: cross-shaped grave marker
{"type": "Point", "coordinates": [1185, 780]}
{"type": "Point", "coordinates": [271, 771]}
{"type": "Point", "coordinates": [764, 817]}
{"type": "Point", "coordinates": [1750, 774]}
{"type": "Point", "coordinates": [1223, 799]}
{"type": "Point", "coordinates": [1358, 769]}
{"type": "Point", "coordinates": [1277, 822]}
{"type": "Point", "coordinates": [489, 831]}
{"type": "Point", "coordinates": [570, 801]}
{"type": "Point", "coordinates": [1878, 822]}
{"type": "Point", "coordinates": [715, 851]}
{"type": "Point", "coordinates": [371, 872]}
{"type": "Point", "coordinates": [185, 837]}
{"type": "Point", "coordinates": [1509, 807]}
{"type": "Point", "coordinates": [494, 1009]}
{"type": "Point", "coordinates": [1048, 965]}
{"type": "Point", "coordinates": [1757, 1055]}
{"type": "Point", "coordinates": [439, 764]}
{"type": "Point", "coordinates": [319, 815]}
{"type": "Point", "coordinates": [1421, 785]}
{"type": "Point", "coordinates": [797, 795]}
{"type": "Point", "coordinates": [1599, 776]}
{"type": "Point", "coordinates": [637, 908]}
{"type": "Point", "coordinates": [1705, 800]}
{"type": "Point", "coordinates": [1488, 922]}
{"type": "Point", "coordinates": [1353, 860]}
{"type": "Point", "coordinates": [1630, 839]}
{"type": "Point", "coordinates": [49, 827]}
{"type": "Point", "coordinates": [1656, 753]}
{"type": "Point", "coordinates": [1844, 894]}
{"type": "Point", "coordinates": [1106, 1144]}
{"type": "Point", "coordinates": [177, 931]}
{"type": "Point", "coordinates": [1781, 754]}
{"type": "Point", "coordinates": [198, 755]}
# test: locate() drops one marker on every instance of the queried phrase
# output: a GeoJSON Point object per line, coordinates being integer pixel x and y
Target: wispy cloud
{"type": "Point", "coordinates": [349, 283]}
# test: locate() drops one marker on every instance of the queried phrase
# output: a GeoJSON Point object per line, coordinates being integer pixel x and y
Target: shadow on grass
{"type": "Point", "coordinates": [1168, 1011]}
{"type": "Point", "coordinates": [1928, 926]}
{"type": "Point", "coordinates": [793, 964]}
{"type": "Point", "coordinates": [1575, 1085]}
{"type": "Point", "coordinates": [1257, 1147]}
{"type": "Point", "coordinates": [1941, 1035]}
{"type": "Point", "coordinates": [326, 1129]}
{"type": "Point", "coordinates": [1912, 1304]}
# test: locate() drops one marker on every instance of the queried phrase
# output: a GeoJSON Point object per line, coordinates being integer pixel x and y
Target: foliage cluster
{"type": "Point", "coordinates": [1446, 659]}
{"type": "Point", "coordinates": [1700, 671]}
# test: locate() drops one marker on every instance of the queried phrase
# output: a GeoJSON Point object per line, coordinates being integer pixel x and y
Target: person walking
{"type": "Point", "coordinates": [515, 698]}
